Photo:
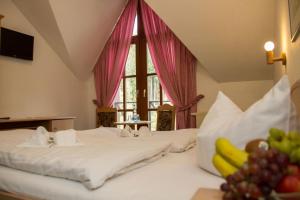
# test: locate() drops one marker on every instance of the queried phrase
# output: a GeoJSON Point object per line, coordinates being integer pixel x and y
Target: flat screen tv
{"type": "Point", "coordinates": [15, 44]}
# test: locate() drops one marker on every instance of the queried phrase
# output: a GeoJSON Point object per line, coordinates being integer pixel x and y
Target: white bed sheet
{"type": "Point", "coordinates": [98, 159]}
{"type": "Point", "coordinates": [175, 177]}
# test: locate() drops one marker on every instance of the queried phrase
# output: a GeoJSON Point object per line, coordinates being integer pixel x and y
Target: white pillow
{"type": "Point", "coordinates": [274, 110]}
{"type": "Point", "coordinates": [220, 115]}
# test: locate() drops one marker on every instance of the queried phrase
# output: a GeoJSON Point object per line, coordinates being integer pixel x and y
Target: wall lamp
{"type": "Point", "coordinates": [269, 47]}
{"type": "Point", "coordinates": [1, 16]}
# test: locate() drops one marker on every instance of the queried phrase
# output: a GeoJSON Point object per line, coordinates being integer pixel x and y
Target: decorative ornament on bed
{"type": "Point", "coordinates": [270, 169]}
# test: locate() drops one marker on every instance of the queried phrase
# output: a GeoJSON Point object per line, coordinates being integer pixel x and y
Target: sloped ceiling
{"type": "Point", "coordinates": [226, 36]}
{"type": "Point", "coordinates": [77, 30]}
{"type": "Point", "coordinates": [40, 14]}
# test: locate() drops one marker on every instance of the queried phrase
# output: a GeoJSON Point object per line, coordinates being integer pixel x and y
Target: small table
{"type": "Point", "coordinates": [50, 123]}
{"type": "Point", "coordinates": [135, 123]}
{"type": "Point", "coordinates": [207, 194]}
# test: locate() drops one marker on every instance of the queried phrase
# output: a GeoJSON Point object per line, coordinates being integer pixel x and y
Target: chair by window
{"type": "Point", "coordinates": [106, 117]}
{"type": "Point", "coordinates": [165, 118]}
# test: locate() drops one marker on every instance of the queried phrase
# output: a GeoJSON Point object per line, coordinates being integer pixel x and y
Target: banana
{"type": "Point", "coordinates": [224, 167]}
{"type": "Point", "coordinates": [231, 153]}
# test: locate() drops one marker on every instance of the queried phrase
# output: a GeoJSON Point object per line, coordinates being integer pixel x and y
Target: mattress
{"type": "Point", "coordinates": [175, 177]}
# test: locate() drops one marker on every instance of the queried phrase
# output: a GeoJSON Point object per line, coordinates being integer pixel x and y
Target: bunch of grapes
{"type": "Point", "coordinates": [258, 177]}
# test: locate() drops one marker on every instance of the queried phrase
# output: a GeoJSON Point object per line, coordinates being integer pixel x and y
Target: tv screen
{"type": "Point", "coordinates": [16, 44]}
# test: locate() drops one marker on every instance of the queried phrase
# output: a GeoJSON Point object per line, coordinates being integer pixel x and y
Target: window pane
{"type": "Point", "coordinates": [130, 93]}
{"type": "Point", "coordinates": [165, 99]}
{"type": "Point", "coordinates": [120, 118]}
{"type": "Point", "coordinates": [153, 92]}
{"type": "Point", "coordinates": [152, 116]}
{"type": "Point", "coordinates": [130, 67]}
{"type": "Point", "coordinates": [135, 27]}
{"type": "Point", "coordinates": [118, 103]}
{"type": "Point", "coordinates": [129, 115]}
{"type": "Point", "coordinates": [150, 66]}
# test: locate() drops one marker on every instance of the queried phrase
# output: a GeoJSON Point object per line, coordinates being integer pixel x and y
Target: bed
{"type": "Point", "coordinates": [176, 176]}
{"type": "Point", "coordinates": [157, 180]}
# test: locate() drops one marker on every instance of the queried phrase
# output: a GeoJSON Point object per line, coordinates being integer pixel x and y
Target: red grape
{"type": "Point", "coordinates": [254, 168]}
{"type": "Point", "coordinates": [225, 187]}
{"type": "Point", "coordinates": [257, 177]}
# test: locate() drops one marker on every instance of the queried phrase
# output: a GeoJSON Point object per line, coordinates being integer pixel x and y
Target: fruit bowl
{"type": "Point", "coordinates": [289, 196]}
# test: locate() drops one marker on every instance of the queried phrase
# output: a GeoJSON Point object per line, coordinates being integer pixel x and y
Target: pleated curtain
{"type": "Point", "coordinates": [110, 66]}
{"type": "Point", "coordinates": [175, 66]}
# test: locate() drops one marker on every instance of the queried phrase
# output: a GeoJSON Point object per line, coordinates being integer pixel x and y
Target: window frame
{"type": "Point", "coordinates": [142, 106]}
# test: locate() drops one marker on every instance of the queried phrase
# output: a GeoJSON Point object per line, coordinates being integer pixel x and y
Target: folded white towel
{"type": "Point", "coordinates": [126, 132]}
{"type": "Point", "coordinates": [144, 131]}
{"type": "Point", "coordinates": [65, 138]}
{"type": "Point", "coordinates": [38, 139]}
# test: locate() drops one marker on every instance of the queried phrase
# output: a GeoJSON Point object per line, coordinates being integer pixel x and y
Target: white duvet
{"type": "Point", "coordinates": [181, 140]}
{"type": "Point", "coordinates": [101, 157]}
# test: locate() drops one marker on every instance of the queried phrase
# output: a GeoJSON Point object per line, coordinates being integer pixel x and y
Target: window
{"type": "Point", "coordinates": [140, 87]}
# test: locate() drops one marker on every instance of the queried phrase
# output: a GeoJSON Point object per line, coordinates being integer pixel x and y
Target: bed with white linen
{"type": "Point", "coordinates": [172, 176]}
{"type": "Point", "coordinates": [103, 166]}
{"type": "Point", "coordinates": [175, 177]}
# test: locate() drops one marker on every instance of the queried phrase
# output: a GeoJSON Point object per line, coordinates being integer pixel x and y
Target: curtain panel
{"type": "Point", "coordinates": [109, 67]}
{"type": "Point", "coordinates": [175, 66]}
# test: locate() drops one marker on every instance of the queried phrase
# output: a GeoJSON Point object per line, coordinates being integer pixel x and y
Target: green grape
{"type": "Point", "coordinates": [293, 135]}
{"type": "Point", "coordinates": [276, 134]}
{"type": "Point", "coordinates": [295, 156]}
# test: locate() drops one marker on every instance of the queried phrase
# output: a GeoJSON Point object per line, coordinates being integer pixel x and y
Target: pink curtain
{"type": "Point", "coordinates": [175, 66]}
{"type": "Point", "coordinates": [109, 68]}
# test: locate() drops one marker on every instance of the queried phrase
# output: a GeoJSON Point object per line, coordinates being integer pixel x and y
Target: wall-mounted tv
{"type": "Point", "coordinates": [15, 44]}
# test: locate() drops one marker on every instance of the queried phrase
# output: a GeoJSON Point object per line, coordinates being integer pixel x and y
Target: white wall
{"type": "Point", "coordinates": [284, 44]}
{"type": "Point", "coordinates": [91, 109]}
{"type": "Point", "coordinates": [42, 87]}
{"type": "Point", "coordinates": [244, 93]}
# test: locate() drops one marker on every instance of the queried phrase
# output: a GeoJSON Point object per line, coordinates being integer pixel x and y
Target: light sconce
{"type": "Point", "coordinates": [1, 16]}
{"type": "Point", "coordinates": [269, 47]}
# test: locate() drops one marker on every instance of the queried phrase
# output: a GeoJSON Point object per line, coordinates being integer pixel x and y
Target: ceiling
{"type": "Point", "coordinates": [226, 37]}
{"type": "Point", "coordinates": [77, 31]}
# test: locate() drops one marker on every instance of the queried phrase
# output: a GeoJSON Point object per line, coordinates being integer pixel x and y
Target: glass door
{"type": "Point", "coordinates": [140, 88]}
